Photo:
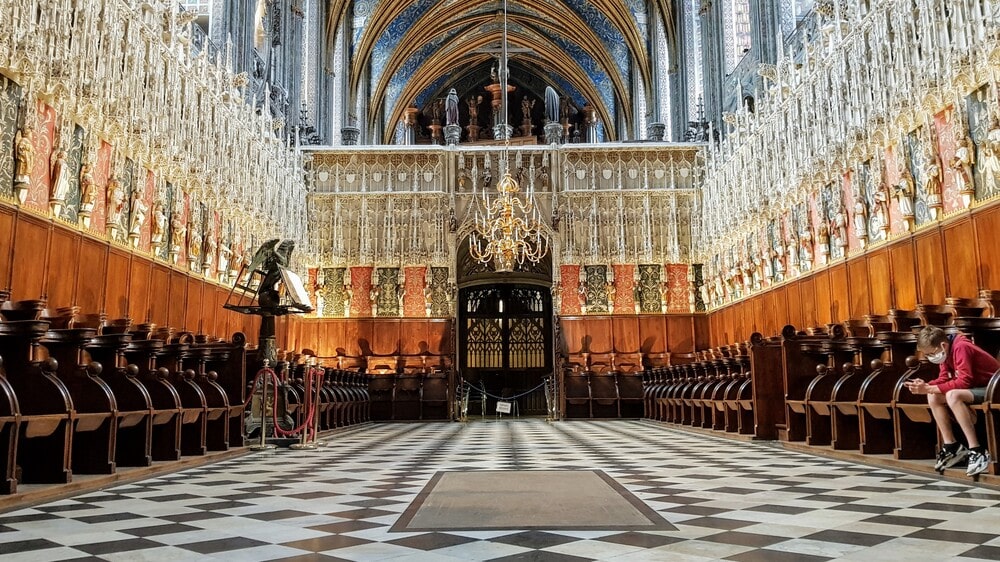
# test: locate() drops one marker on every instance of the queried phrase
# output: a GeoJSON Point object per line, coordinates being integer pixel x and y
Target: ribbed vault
{"type": "Point", "coordinates": [598, 47]}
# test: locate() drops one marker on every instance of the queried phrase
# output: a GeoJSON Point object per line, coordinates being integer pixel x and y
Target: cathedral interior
{"type": "Point", "coordinates": [546, 280]}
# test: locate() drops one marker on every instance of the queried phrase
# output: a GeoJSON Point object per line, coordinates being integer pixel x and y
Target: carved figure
{"type": "Point", "coordinates": [177, 231]}
{"type": "Point", "coordinates": [60, 176]}
{"type": "Point", "coordinates": [962, 162]}
{"type": "Point", "coordinates": [904, 197]}
{"type": "Point", "coordinates": [990, 156]}
{"type": "Point", "coordinates": [159, 223]}
{"type": "Point", "coordinates": [840, 227]}
{"type": "Point", "coordinates": [551, 105]}
{"type": "Point", "coordinates": [526, 106]}
{"type": "Point", "coordinates": [87, 193]}
{"type": "Point", "coordinates": [860, 218]}
{"type": "Point", "coordinates": [138, 215]}
{"type": "Point", "coordinates": [932, 177]}
{"type": "Point", "coordinates": [451, 107]}
{"type": "Point", "coordinates": [823, 238]}
{"type": "Point", "coordinates": [473, 103]}
{"type": "Point", "coordinates": [24, 152]}
{"type": "Point", "coordinates": [115, 201]}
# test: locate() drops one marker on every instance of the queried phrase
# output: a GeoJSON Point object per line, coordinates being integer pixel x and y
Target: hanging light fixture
{"type": "Point", "coordinates": [507, 230]}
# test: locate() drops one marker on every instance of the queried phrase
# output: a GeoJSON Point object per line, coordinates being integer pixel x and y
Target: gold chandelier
{"type": "Point", "coordinates": [506, 231]}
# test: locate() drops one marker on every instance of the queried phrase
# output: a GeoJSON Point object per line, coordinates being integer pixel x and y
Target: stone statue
{"type": "Point", "coordinates": [932, 177]}
{"type": "Point", "coordinates": [962, 163]}
{"type": "Point", "coordinates": [860, 219]}
{"type": "Point", "coordinates": [551, 105]}
{"type": "Point", "coordinates": [564, 109]}
{"type": "Point", "coordinates": [451, 107]}
{"type": "Point", "coordinates": [138, 215]}
{"type": "Point", "coordinates": [437, 107]}
{"type": "Point", "coordinates": [473, 103]}
{"type": "Point", "coordinates": [823, 238]}
{"type": "Point", "coordinates": [159, 223]}
{"type": "Point", "coordinates": [60, 176]}
{"type": "Point", "coordinates": [24, 151]}
{"type": "Point", "coordinates": [989, 154]}
{"type": "Point", "coordinates": [526, 106]}
{"type": "Point", "coordinates": [904, 192]}
{"type": "Point", "coordinates": [177, 231]}
{"type": "Point", "coordinates": [115, 201]}
{"type": "Point", "coordinates": [840, 228]}
{"type": "Point", "coordinates": [87, 193]}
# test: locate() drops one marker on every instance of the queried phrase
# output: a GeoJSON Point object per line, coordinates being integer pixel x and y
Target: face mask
{"type": "Point", "coordinates": [938, 358]}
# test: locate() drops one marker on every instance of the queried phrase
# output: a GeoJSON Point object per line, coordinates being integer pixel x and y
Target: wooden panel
{"type": "Point", "coordinates": [754, 321]}
{"type": "Point", "coordinates": [930, 268]}
{"type": "Point", "coordinates": [988, 232]}
{"type": "Point", "coordinates": [93, 267]}
{"type": "Point", "coordinates": [680, 334]}
{"type": "Point", "coordinates": [63, 264]}
{"type": "Point", "coordinates": [904, 282]}
{"type": "Point", "coordinates": [879, 282]}
{"type": "Point", "coordinates": [384, 335]}
{"type": "Point", "coordinates": [701, 332]}
{"type": "Point", "coordinates": [822, 296]}
{"type": "Point", "coordinates": [176, 311]}
{"type": "Point", "coordinates": [652, 334]}
{"type": "Point", "coordinates": [30, 244]}
{"type": "Point", "coordinates": [194, 305]}
{"type": "Point", "coordinates": [139, 297]}
{"type": "Point", "coordinates": [625, 332]}
{"type": "Point", "coordinates": [6, 245]}
{"type": "Point", "coordinates": [807, 301]}
{"type": "Point", "coordinates": [159, 295]}
{"type": "Point", "coordinates": [840, 307]}
{"type": "Point", "coordinates": [781, 312]}
{"type": "Point", "coordinates": [413, 336]}
{"type": "Point", "coordinates": [796, 310]}
{"type": "Point", "coordinates": [962, 259]}
{"type": "Point", "coordinates": [116, 288]}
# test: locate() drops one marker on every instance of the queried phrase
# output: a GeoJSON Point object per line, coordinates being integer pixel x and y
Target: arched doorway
{"type": "Point", "coordinates": [505, 334]}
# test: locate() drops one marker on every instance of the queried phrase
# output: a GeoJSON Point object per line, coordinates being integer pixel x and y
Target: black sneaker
{"type": "Point", "coordinates": [979, 461]}
{"type": "Point", "coordinates": [947, 457]}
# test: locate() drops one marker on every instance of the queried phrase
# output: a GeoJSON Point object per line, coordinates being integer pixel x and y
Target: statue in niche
{"type": "Point", "coordinates": [373, 295]}
{"type": "Point", "coordinates": [115, 201]}
{"type": "Point", "coordinates": [451, 107]}
{"type": "Point", "coordinates": [177, 231]}
{"type": "Point", "coordinates": [437, 108]}
{"type": "Point", "coordinates": [159, 224]}
{"type": "Point", "coordinates": [87, 193]}
{"type": "Point", "coordinates": [840, 228]}
{"type": "Point", "coordinates": [526, 106]}
{"type": "Point", "coordinates": [823, 238]}
{"type": "Point", "coordinates": [24, 152]}
{"type": "Point", "coordinates": [806, 251]}
{"type": "Point", "coordinates": [473, 103]}
{"type": "Point", "coordinates": [60, 176]}
{"type": "Point", "coordinates": [932, 176]}
{"type": "Point", "coordinates": [990, 156]}
{"type": "Point", "coordinates": [194, 243]}
{"type": "Point", "coordinates": [210, 247]}
{"type": "Point", "coordinates": [551, 105]}
{"type": "Point", "coordinates": [138, 215]}
{"type": "Point", "coordinates": [777, 259]}
{"type": "Point", "coordinates": [904, 193]}
{"type": "Point", "coordinates": [452, 221]}
{"type": "Point", "coordinates": [860, 219]}
{"type": "Point", "coordinates": [963, 161]}
{"type": "Point", "coordinates": [793, 253]}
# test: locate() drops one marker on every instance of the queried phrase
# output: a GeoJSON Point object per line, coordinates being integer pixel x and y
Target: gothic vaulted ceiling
{"type": "Point", "coordinates": [592, 50]}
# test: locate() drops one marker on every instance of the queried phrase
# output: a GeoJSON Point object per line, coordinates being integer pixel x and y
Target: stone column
{"type": "Point", "coordinates": [410, 123]}
{"type": "Point", "coordinates": [591, 120]}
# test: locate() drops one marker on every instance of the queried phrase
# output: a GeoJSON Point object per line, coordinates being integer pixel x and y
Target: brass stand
{"type": "Point", "coordinates": [263, 445]}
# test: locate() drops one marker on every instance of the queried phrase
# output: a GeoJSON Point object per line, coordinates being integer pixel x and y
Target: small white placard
{"type": "Point", "coordinates": [503, 407]}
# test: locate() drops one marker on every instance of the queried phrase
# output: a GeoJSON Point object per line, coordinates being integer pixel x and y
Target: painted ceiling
{"type": "Point", "coordinates": [590, 50]}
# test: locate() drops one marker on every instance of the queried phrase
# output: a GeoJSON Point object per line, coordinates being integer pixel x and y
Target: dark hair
{"type": "Point", "coordinates": [931, 336]}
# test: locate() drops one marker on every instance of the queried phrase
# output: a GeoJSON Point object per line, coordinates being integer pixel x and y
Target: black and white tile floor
{"type": "Point", "coordinates": [729, 500]}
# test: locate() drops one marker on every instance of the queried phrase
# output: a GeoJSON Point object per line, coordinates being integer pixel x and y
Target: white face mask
{"type": "Point", "coordinates": [939, 357]}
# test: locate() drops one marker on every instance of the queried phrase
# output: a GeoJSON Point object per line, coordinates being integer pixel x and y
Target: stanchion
{"type": "Point", "coordinates": [263, 445]}
{"type": "Point", "coordinates": [320, 376]}
{"type": "Point", "coordinates": [310, 409]}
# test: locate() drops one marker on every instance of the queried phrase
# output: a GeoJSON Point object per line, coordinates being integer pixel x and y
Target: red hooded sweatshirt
{"type": "Point", "coordinates": [967, 366]}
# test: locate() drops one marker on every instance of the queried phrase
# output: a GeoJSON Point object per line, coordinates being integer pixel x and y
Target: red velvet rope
{"type": "Point", "coordinates": [308, 403]}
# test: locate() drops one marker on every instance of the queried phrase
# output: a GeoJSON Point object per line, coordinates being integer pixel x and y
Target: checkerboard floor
{"type": "Point", "coordinates": [729, 500]}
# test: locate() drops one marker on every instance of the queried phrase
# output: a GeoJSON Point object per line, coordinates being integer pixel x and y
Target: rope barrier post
{"type": "Point", "coordinates": [310, 408]}
{"type": "Point", "coordinates": [320, 376]}
{"type": "Point", "coordinates": [263, 445]}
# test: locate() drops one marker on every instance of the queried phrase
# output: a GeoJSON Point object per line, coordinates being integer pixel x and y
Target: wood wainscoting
{"type": "Point", "coordinates": [955, 258]}
{"type": "Point", "coordinates": [45, 258]}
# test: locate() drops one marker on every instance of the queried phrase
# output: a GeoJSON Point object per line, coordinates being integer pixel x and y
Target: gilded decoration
{"type": "Point", "coordinates": [597, 287]}
{"type": "Point", "coordinates": [441, 293]}
{"type": "Point", "coordinates": [387, 292]}
{"type": "Point", "coordinates": [10, 100]}
{"type": "Point", "coordinates": [334, 292]}
{"type": "Point", "coordinates": [648, 288]}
